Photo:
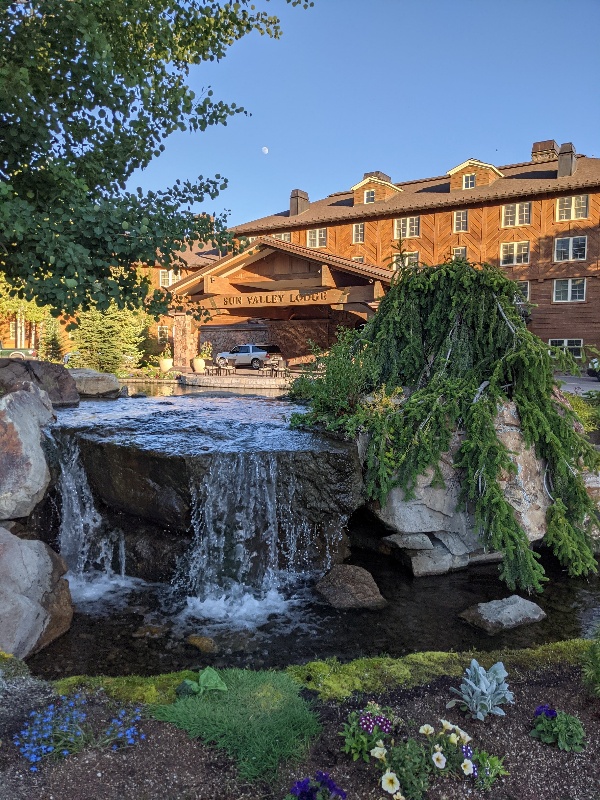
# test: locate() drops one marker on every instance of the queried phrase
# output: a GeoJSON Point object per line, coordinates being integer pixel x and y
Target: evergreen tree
{"type": "Point", "coordinates": [447, 346]}
{"type": "Point", "coordinates": [109, 341]}
{"type": "Point", "coordinates": [50, 345]}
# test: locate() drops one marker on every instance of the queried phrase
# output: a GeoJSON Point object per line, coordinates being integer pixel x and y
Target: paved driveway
{"type": "Point", "coordinates": [578, 384]}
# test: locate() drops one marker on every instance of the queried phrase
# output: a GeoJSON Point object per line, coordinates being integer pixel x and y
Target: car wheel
{"type": "Point", "coordinates": [255, 363]}
{"type": "Point", "coordinates": [222, 362]}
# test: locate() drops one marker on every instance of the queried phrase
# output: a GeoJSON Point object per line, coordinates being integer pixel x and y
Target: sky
{"type": "Point", "coordinates": [408, 87]}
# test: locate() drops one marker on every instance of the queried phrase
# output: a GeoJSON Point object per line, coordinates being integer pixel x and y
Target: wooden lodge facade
{"type": "Point", "coordinates": [538, 220]}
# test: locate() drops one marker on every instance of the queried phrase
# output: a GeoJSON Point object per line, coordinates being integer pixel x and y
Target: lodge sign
{"type": "Point", "coordinates": [289, 297]}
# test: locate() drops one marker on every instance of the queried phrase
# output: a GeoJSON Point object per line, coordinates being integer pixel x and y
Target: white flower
{"type": "Point", "coordinates": [453, 738]}
{"type": "Point", "coordinates": [467, 767]}
{"type": "Point", "coordinates": [464, 737]}
{"type": "Point", "coordinates": [389, 782]}
{"type": "Point", "coordinates": [439, 760]}
{"type": "Point", "coordinates": [398, 796]}
{"type": "Point", "coordinates": [380, 743]}
{"type": "Point", "coordinates": [438, 748]}
{"type": "Point", "coordinates": [446, 726]}
{"type": "Point", "coordinates": [379, 753]}
{"type": "Point", "coordinates": [427, 730]}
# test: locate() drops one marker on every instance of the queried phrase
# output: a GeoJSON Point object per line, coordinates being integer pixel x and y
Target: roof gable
{"type": "Point", "coordinates": [474, 163]}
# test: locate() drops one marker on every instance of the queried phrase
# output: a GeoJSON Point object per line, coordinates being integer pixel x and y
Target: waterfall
{"type": "Point", "coordinates": [85, 541]}
{"type": "Point", "coordinates": [251, 528]}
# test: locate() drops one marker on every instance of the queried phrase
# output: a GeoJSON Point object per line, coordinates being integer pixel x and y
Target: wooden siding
{"type": "Point", "coordinates": [483, 177]}
{"type": "Point", "coordinates": [483, 240]}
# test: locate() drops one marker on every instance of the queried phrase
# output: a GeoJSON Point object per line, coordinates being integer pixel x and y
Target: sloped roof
{"type": "Point", "coordinates": [369, 271]}
{"type": "Point", "coordinates": [519, 181]}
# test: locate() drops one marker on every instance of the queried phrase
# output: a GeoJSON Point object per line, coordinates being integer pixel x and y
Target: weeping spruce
{"type": "Point", "coordinates": [447, 346]}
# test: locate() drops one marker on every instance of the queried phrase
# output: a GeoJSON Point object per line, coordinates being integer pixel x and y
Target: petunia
{"type": "Point", "coordinates": [389, 782]}
{"type": "Point", "coordinates": [439, 760]}
{"type": "Point", "coordinates": [438, 748]}
{"type": "Point", "coordinates": [398, 796]}
{"type": "Point", "coordinates": [464, 737]}
{"type": "Point", "coordinates": [453, 738]}
{"type": "Point", "coordinates": [379, 753]}
{"type": "Point", "coordinates": [427, 730]}
{"type": "Point", "coordinates": [467, 767]}
{"type": "Point", "coordinates": [446, 726]}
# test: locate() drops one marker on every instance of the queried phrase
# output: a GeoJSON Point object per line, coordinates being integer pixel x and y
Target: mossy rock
{"type": "Point", "coordinates": [12, 667]}
{"type": "Point", "coordinates": [130, 688]}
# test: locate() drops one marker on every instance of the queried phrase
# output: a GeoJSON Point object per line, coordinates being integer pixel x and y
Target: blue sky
{"type": "Point", "coordinates": [409, 88]}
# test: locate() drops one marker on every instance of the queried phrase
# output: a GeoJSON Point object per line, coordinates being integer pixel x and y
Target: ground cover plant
{"type": "Point", "coordinates": [446, 347]}
{"type": "Point", "coordinates": [501, 761]}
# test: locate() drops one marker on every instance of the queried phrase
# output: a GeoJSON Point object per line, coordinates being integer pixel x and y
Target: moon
{"type": "Point", "coordinates": [265, 150]}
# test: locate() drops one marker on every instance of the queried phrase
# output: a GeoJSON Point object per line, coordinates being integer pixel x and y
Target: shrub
{"type": "Point", "coordinates": [591, 664]}
{"type": "Point", "coordinates": [556, 727]}
{"type": "Point", "coordinates": [260, 720]}
{"type": "Point", "coordinates": [483, 691]}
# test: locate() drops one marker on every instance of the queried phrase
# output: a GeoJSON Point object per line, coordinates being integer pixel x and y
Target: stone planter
{"type": "Point", "coordinates": [165, 364]}
{"type": "Point", "coordinates": [198, 364]}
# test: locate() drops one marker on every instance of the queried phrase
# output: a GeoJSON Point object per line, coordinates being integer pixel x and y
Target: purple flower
{"type": "Point", "coordinates": [548, 711]}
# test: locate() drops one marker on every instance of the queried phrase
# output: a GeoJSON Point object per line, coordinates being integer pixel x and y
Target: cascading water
{"type": "Point", "coordinates": [85, 543]}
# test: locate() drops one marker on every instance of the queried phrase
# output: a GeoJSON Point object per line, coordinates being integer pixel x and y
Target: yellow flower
{"type": "Point", "coordinates": [438, 748]}
{"type": "Point", "coordinates": [464, 737]}
{"type": "Point", "coordinates": [380, 743]}
{"type": "Point", "coordinates": [379, 753]}
{"type": "Point", "coordinates": [398, 796]}
{"type": "Point", "coordinates": [453, 738]}
{"type": "Point", "coordinates": [439, 760]}
{"type": "Point", "coordinates": [389, 782]}
{"type": "Point", "coordinates": [427, 730]}
{"type": "Point", "coordinates": [446, 726]}
{"type": "Point", "coordinates": [467, 767]}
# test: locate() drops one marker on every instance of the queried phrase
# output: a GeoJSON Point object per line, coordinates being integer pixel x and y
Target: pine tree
{"type": "Point", "coordinates": [109, 341]}
{"type": "Point", "coordinates": [50, 344]}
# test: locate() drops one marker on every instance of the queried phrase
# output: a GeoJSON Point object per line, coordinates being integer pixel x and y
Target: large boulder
{"type": "Point", "coordinates": [502, 615]}
{"type": "Point", "coordinates": [346, 586]}
{"type": "Point", "coordinates": [52, 378]}
{"type": "Point", "coordinates": [34, 598]}
{"type": "Point", "coordinates": [432, 537]}
{"type": "Point", "coordinates": [24, 473]}
{"type": "Point", "coordinates": [90, 383]}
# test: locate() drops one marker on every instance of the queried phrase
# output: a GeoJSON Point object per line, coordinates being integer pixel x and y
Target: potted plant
{"type": "Point", "coordinates": [165, 359]}
{"type": "Point", "coordinates": [199, 361]}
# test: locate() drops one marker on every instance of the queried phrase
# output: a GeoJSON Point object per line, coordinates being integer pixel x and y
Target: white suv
{"type": "Point", "coordinates": [249, 355]}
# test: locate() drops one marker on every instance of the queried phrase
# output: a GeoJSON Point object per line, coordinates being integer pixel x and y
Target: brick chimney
{"type": "Point", "coordinates": [381, 176]}
{"type": "Point", "coordinates": [299, 202]}
{"type": "Point", "coordinates": [544, 151]}
{"type": "Point", "coordinates": [567, 160]}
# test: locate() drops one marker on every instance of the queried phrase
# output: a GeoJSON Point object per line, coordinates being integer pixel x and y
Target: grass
{"type": "Point", "coordinates": [260, 721]}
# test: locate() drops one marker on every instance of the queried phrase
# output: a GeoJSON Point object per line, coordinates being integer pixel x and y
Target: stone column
{"type": "Point", "coordinates": [184, 341]}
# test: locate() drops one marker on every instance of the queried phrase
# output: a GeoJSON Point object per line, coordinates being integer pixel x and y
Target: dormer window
{"type": "Point", "coordinates": [469, 181]}
{"type": "Point", "coordinates": [370, 196]}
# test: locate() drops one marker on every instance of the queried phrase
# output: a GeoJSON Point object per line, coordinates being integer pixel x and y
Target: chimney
{"type": "Point", "coordinates": [544, 151]}
{"type": "Point", "coordinates": [381, 176]}
{"type": "Point", "coordinates": [299, 202]}
{"type": "Point", "coordinates": [567, 160]}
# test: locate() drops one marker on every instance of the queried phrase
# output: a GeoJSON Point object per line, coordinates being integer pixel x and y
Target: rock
{"type": "Point", "coordinates": [347, 586]}
{"type": "Point", "coordinates": [203, 643]}
{"type": "Point", "coordinates": [138, 395]}
{"type": "Point", "coordinates": [96, 384]}
{"type": "Point", "coordinates": [432, 515]}
{"type": "Point", "coordinates": [52, 378]}
{"type": "Point", "coordinates": [24, 473]}
{"type": "Point", "coordinates": [34, 598]}
{"type": "Point", "coordinates": [502, 615]}
{"type": "Point", "coordinates": [150, 632]}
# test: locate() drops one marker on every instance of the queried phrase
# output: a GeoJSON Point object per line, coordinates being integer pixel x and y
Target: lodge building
{"type": "Point", "coordinates": [537, 220]}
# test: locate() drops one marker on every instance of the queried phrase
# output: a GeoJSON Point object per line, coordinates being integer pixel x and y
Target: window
{"type": "Point", "coordinates": [370, 196]}
{"type": "Point", "coordinates": [569, 290]}
{"type": "Point", "coordinates": [469, 181]}
{"type": "Point", "coordinates": [283, 237]}
{"type": "Point", "coordinates": [516, 214]}
{"type": "Point", "coordinates": [574, 346]}
{"type": "Point", "coordinates": [359, 259]}
{"type": "Point", "coordinates": [523, 290]}
{"type": "Point", "coordinates": [407, 228]}
{"type": "Point", "coordinates": [163, 334]}
{"type": "Point", "coordinates": [573, 248]}
{"type": "Point", "coordinates": [406, 259]}
{"type": "Point", "coordinates": [514, 253]}
{"type": "Point", "coordinates": [459, 253]}
{"type": "Point", "coordinates": [252, 238]}
{"type": "Point", "coordinates": [572, 207]}
{"type": "Point", "coordinates": [461, 221]}
{"type": "Point", "coordinates": [317, 237]}
{"type": "Point", "coordinates": [166, 278]}
{"type": "Point", "coordinates": [358, 233]}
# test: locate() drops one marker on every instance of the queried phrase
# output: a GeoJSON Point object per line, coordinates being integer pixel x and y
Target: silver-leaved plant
{"type": "Point", "coordinates": [482, 692]}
